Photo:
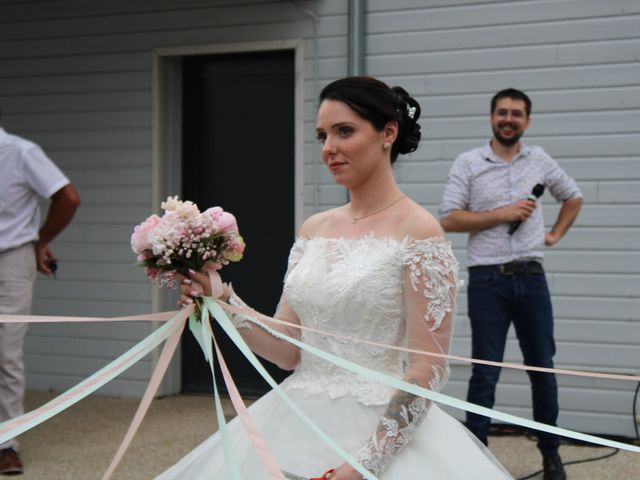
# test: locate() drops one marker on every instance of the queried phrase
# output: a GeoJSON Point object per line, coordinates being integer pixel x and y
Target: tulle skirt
{"type": "Point", "coordinates": [442, 448]}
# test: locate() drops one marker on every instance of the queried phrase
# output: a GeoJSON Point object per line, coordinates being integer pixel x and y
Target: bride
{"type": "Point", "coordinates": [377, 269]}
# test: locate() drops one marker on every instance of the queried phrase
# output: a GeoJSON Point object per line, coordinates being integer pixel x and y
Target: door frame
{"type": "Point", "coordinates": [166, 148]}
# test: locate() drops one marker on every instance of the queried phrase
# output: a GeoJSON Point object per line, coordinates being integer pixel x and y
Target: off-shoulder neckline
{"type": "Point", "coordinates": [407, 240]}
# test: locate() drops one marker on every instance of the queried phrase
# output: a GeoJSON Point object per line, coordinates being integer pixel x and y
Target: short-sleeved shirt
{"type": "Point", "coordinates": [480, 181]}
{"type": "Point", "coordinates": [26, 175]}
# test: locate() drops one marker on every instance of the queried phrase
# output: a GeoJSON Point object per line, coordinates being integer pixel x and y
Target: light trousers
{"type": "Point", "coordinates": [17, 277]}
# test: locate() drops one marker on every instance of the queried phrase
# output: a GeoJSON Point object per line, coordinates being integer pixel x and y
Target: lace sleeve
{"type": "Point", "coordinates": [430, 287]}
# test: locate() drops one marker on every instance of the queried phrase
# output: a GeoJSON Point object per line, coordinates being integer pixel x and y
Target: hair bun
{"type": "Point", "coordinates": [409, 132]}
{"type": "Point", "coordinates": [379, 104]}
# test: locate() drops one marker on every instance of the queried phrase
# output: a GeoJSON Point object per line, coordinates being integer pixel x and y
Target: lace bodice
{"type": "Point", "coordinates": [377, 289]}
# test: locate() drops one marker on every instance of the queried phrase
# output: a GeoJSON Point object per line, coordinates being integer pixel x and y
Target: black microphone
{"type": "Point", "coordinates": [536, 193]}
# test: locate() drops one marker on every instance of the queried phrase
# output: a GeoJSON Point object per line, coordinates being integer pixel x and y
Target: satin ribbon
{"type": "Point", "coordinates": [423, 392]}
{"type": "Point", "coordinates": [244, 311]}
{"type": "Point", "coordinates": [154, 382]}
{"type": "Point", "coordinates": [147, 317]}
{"type": "Point", "coordinates": [264, 453]}
{"type": "Point", "coordinates": [203, 333]}
{"type": "Point", "coordinates": [14, 427]}
{"type": "Point", "coordinates": [214, 306]}
{"type": "Point", "coordinates": [172, 330]}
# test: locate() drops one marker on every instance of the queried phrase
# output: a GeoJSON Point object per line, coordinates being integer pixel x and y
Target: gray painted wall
{"type": "Point", "coordinates": [76, 77]}
{"type": "Point", "coordinates": [578, 61]}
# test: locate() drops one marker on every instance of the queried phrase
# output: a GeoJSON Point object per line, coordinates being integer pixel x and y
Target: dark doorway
{"type": "Point", "coordinates": [238, 153]}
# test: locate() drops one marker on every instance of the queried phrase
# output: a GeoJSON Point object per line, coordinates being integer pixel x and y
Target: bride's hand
{"type": "Point", "coordinates": [198, 284]}
{"type": "Point", "coordinates": [345, 472]}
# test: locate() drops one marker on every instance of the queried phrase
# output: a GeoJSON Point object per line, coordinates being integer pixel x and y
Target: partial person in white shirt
{"type": "Point", "coordinates": [27, 175]}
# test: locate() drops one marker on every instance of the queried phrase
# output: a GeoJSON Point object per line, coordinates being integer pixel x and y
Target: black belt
{"type": "Point", "coordinates": [513, 268]}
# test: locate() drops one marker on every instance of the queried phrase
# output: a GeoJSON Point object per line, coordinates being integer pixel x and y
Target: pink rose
{"type": "Point", "coordinates": [227, 223]}
{"type": "Point", "coordinates": [213, 212]}
{"type": "Point", "coordinates": [223, 222]}
{"type": "Point", "coordinates": [213, 217]}
{"type": "Point", "coordinates": [140, 237]}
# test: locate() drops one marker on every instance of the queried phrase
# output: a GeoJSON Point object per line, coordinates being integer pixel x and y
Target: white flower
{"type": "Point", "coordinates": [170, 204]}
{"type": "Point", "coordinates": [186, 210]}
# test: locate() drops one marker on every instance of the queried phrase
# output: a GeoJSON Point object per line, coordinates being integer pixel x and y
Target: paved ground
{"type": "Point", "coordinates": [80, 442]}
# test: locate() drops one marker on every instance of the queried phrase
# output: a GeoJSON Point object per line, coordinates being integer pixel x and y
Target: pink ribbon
{"type": "Point", "coordinates": [80, 389]}
{"type": "Point", "coordinates": [216, 284]}
{"type": "Point", "coordinates": [265, 454]}
{"type": "Point", "coordinates": [169, 349]}
{"type": "Point", "coordinates": [612, 376]}
{"type": "Point", "coordinates": [164, 316]}
{"type": "Point", "coordinates": [148, 317]}
{"type": "Point", "coordinates": [158, 373]}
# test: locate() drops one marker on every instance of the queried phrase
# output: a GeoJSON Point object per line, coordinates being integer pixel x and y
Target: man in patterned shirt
{"type": "Point", "coordinates": [488, 195]}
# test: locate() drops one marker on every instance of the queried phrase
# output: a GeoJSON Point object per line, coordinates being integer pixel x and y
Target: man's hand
{"type": "Point", "coordinates": [44, 257]}
{"type": "Point", "coordinates": [567, 214]}
{"type": "Point", "coordinates": [61, 210]}
{"type": "Point", "coordinates": [472, 222]}
{"type": "Point", "coordinates": [550, 239]}
{"type": "Point", "coordinates": [519, 211]}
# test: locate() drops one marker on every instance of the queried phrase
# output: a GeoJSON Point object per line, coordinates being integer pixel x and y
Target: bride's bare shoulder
{"type": "Point", "coordinates": [420, 224]}
{"type": "Point", "coordinates": [319, 222]}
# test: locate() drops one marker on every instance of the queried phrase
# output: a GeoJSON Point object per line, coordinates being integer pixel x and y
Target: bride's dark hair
{"type": "Point", "coordinates": [376, 102]}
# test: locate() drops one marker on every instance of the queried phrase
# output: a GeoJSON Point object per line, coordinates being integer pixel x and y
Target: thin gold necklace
{"type": "Point", "coordinates": [355, 219]}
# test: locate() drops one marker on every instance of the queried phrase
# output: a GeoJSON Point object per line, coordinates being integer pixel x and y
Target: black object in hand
{"type": "Point", "coordinates": [53, 266]}
{"type": "Point", "coordinates": [536, 193]}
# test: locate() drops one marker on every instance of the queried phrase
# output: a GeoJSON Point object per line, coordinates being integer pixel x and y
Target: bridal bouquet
{"type": "Point", "coordinates": [183, 238]}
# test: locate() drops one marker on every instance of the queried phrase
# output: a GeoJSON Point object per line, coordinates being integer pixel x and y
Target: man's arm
{"type": "Point", "coordinates": [567, 214]}
{"type": "Point", "coordinates": [472, 222]}
{"type": "Point", "coordinates": [63, 206]}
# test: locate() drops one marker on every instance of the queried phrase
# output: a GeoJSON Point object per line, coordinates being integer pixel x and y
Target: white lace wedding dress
{"type": "Point", "coordinates": [399, 292]}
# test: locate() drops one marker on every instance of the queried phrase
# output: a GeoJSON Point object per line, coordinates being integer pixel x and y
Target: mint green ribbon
{"type": "Point", "coordinates": [203, 334]}
{"type": "Point", "coordinates": [21, 424]}
{"type": "Point", "coordinates": [433, 395]}
{"type": "Point", "coordinates": [220, 315]}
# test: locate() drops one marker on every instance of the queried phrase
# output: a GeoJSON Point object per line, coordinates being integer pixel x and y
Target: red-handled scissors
{"type": "Point", "coordinates": [292, 476]}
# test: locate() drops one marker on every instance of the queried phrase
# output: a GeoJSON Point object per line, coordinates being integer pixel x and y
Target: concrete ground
{"type": "Point", "coordinates": [80, 442]}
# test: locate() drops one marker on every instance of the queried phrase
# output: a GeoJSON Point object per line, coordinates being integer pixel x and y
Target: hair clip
{"type": "Point", "coordinates": [411, 111]}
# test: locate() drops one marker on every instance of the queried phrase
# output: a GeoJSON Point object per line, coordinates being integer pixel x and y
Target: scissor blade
{"type": "Point", "coordinates": [293, 476]}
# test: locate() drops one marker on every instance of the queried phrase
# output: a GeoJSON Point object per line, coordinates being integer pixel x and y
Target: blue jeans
{"type": "Point", "coordinates": [495, 301]}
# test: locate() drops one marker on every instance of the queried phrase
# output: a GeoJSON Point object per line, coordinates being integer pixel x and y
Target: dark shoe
{"type": "Point", "coordinates": [553, 469]}
{"type": "Point", "coordinates": [10, 463]}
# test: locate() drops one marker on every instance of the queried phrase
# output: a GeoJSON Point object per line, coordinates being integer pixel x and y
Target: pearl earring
{"type": "Point", "coordinates": [386, 146]}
